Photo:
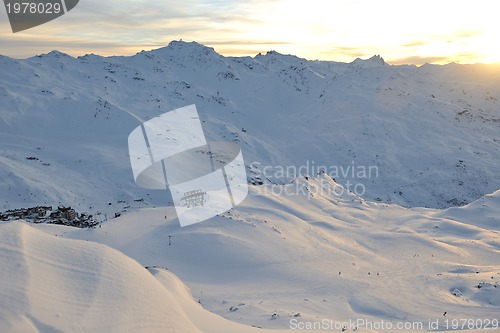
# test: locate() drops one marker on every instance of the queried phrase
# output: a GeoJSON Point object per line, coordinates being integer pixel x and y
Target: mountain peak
{"type": "Point", "coordinates": [272, 56]}
{"type": "Point", "coordinates": [55, 54]}
{"type": "Point", "coordinates": [181, 48]}
{"type": "Point", "coordinates": [373, 61]}
{"type": "Point", "coordinates": [377, 59]}
{"type": "Point", "coordinates": [273, 53]}
{"type": "Point", "coordinates": [189, 46]}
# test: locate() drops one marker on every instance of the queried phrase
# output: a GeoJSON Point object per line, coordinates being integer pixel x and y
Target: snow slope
{"type": "Point", "coordinates": [431, 131]}
{"type": "Point", "coordinates": [485, 212]}
{"type": "Point", "coordinates": [320, 255]}
{"type": "Point", "coordinates": [50, 284]}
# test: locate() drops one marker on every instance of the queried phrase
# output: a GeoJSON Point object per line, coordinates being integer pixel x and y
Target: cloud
{"type": "Point", "coordinates": [467, 33]}
{"type": "Point", "coordinates": [419, 60]}
{"type": "Point", "coordinates": [246, 42]}
{"type": "Point", "coordinates": [415, 43]}
{"type": "Point", "coordinates": [322, 29]}
{"type": "Point", "coordinates": [109, 27]}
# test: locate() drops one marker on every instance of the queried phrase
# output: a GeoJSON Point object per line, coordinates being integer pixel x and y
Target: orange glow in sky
{"type": "Point", "coordinates": [411, 32]}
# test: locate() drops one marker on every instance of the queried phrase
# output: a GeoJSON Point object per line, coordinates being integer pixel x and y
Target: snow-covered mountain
{"type": "Point", "coordinates": [301, 248]}
{"type": "Point", "coordinates": [430, 132]}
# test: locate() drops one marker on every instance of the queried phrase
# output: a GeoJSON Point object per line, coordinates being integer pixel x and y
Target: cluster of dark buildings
{"type": "Point", "coordinates": [45, 214]}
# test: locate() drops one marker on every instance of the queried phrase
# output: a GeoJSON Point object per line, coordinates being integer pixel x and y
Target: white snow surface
{"type": "Point", "coordinates": [432, 131]}
{"type": "Point", "coordinates": [288, 252]}
{"type": "Point", "coordinates": [323, 256]}
{"type": "Point", "coordinates": [51, 285]}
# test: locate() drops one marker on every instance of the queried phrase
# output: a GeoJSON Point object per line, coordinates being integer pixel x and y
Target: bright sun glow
{"type": "Point", "coordinates": [402, 32]}
{"type": "Point", "coordinates": [435, 31]}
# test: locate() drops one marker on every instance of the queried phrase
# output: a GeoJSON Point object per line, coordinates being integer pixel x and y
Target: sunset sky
{"type": "Point", "coordinates": [412, 32]}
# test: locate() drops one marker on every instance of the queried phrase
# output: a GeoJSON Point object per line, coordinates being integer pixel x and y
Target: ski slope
{"type": "Point", "coordinates": [50, 284]}
{"type": "Point", "coordinates": [322, 256]}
